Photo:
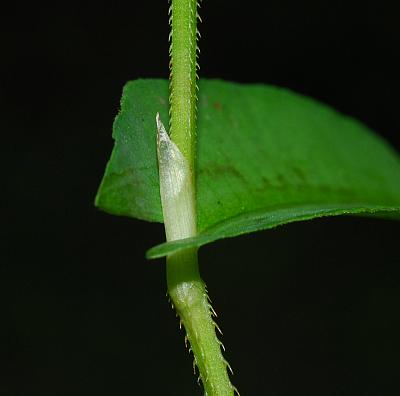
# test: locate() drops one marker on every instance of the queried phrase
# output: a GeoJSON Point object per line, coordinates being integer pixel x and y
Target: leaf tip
{"type": "Point", "coordinates": [153, 254]}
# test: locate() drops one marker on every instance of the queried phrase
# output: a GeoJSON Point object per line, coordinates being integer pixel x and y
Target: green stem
{"type": "Point", "coordinates": [177, 187]}
{"type": "Point", "coordinates": [189, 296]}
{"type": "Point", "coordinates": [183, 76]}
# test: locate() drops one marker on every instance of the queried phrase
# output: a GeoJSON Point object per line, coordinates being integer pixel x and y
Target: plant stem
{"type": "Point", "coordinates": [183, 100]}
{"type": "Point", "coordinates": [177, 188]}
{"type": "Point", "coordinates": [189, 296]}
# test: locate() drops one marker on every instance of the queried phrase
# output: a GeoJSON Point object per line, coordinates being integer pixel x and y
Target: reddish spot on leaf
{"type": "Point", "coordinates": [217, 106]}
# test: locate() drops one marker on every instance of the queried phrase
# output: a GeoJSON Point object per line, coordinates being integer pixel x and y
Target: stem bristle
{"type": "Point", "coordinates": [235, 390]}
{"type": "Point", "coordinates": [217, 327]}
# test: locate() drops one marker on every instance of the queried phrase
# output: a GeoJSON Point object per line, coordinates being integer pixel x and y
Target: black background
{"type": "Point", "coordinates": [307, 309]}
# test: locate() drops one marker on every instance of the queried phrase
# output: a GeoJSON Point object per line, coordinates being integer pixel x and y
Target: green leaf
{"type": "Point", "coordinates": [266, 157]}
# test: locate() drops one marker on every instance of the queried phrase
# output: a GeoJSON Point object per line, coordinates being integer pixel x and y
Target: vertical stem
{"type": "Point", "coordinates": [183, 77]}
{"type": "Point", "coordinates": [176, 157]}
{"type": "Point", "coordinates": [189, 296]}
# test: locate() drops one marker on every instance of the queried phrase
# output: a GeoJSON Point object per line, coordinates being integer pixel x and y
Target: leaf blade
{"type": "Point", "coordinates": [264, 222]}
{"type": "Point", "coordinates": [261, 150]}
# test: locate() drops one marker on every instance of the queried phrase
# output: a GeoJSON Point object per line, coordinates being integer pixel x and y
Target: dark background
{"type": "Point", "coordinates": [307, 309]}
